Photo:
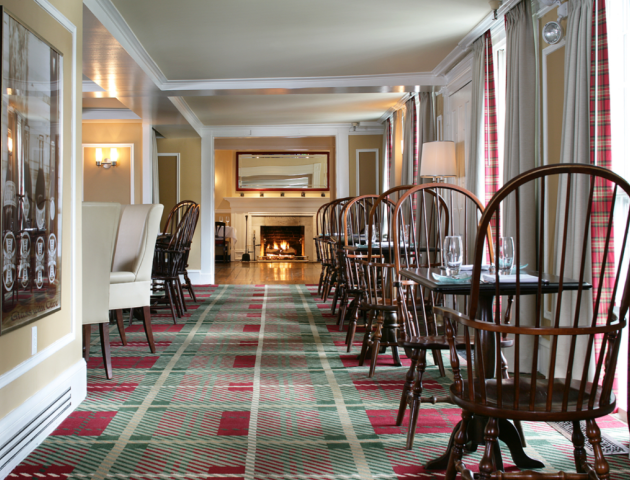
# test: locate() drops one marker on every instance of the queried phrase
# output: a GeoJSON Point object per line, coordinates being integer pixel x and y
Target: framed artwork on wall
{"type": "Point", "coordinates": [30, 185]}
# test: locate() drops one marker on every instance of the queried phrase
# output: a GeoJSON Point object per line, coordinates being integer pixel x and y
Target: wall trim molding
{"type": "Point", "coordinates": [188, 114]}
{"type": "Point", "coordinates": [73, 378]}
{"type": "Point", "coordinates": [198, 278]}
{"type": "Point", "coordinates": [108, 114]}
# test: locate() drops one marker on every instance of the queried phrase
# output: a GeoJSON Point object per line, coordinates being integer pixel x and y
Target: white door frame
{"type": "Point", "coordinates": [109, 145]}
{"type": "Point", "coordinates": [365, 150]}
{"type": "Point", "coordinates": [172, 155]}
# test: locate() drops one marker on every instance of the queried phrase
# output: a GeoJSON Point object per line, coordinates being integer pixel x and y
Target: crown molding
{"type": "Point", "coordinates": [398, 82]}
{"type": "Point", "coordinates": [462, 48]}
{"type": "Point", "coordinates": [187, 113]}
{"type": "Point", "coordinates": [400, 104]}
{"type": "Point", "coordinates": [313, 130]}
{"type": "Point", "coordinates": [90, 86]}
{"type": "Point", "coordinates": [113, 21]}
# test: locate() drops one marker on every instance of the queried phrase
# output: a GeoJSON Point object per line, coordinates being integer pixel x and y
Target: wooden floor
{"type": "Point", "coordinates": [248, 273]}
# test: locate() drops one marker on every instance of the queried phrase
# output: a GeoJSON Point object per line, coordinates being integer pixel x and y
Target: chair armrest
{"type": "Point", "coordinates": [450, 314]}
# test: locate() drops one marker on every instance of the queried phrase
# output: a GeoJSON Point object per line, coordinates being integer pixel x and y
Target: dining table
{"type": "Point", "coordinates": [436, 280]}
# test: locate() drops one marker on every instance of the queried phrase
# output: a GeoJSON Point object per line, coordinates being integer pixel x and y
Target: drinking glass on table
{"type": "Point", "coordinates": [221, 219]}
{"type": "Point", "coordinates": [453, 254]}
{"type": "Point", "coordinates": [506, 255]}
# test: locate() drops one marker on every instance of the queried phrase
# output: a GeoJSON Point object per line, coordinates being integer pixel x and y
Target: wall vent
{"type": "Point", "coordinates": [26, 436]}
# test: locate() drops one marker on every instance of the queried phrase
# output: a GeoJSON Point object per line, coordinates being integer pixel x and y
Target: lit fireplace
{"type": "Point", "coordinates": [281, 243]}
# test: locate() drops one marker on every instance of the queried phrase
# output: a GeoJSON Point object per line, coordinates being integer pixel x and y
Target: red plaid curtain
{"type": "Point", "coordinates": [601, 156]}
{"type": "Point", "coordinates": [490, 127]}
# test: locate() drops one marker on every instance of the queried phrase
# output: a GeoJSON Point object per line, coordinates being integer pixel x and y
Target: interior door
{"type": "Point", "coordinates": [367, 172]}
{"type": "Point", "coordinates": [169, 179]}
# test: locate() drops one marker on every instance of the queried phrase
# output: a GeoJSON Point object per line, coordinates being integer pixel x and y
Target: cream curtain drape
{"type": "Point", "coordinates": [409, 137]}
{"type": "Point", "coordinates": [575, 148]}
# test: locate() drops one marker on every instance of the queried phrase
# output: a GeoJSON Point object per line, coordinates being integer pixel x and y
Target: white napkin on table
{"type": "Point", "coordinates": [524, 278]}
{"type": "Point", "coordinates": [468, 268]}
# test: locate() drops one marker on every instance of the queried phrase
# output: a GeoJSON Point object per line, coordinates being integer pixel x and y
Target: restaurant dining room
{"type": "Point", "coordinates": [315, 240]}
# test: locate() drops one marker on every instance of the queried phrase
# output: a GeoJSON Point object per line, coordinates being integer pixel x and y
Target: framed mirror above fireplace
{"type": "Point", "coordinates": [282, 171]}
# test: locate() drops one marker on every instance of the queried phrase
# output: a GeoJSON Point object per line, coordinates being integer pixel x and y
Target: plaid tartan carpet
{"type": "Point", "coordinates": [255, 384]}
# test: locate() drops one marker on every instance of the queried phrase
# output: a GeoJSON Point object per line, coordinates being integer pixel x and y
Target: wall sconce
{"type": "Point", "coordinates": [262, 194]}
{"type": "Point", "coordinates": [303, 194]}
{"type": "Point", "coordinates": [108, 162]}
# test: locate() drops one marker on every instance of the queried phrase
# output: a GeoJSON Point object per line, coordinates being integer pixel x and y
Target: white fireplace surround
{"type": "Point", "coordinates": [273, 211]}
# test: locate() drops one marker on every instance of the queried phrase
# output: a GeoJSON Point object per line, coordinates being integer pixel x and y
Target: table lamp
{"type": "Point", "coordinates": [438, 161]}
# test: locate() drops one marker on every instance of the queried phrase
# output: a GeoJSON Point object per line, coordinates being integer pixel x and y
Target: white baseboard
{"type": "Point", "coordinates": [198, 278]}
{"type": "Point", "coordinates": [22, 430]}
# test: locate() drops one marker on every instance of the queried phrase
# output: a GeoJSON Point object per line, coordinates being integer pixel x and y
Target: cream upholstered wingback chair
{"type": "Point", "coordinates": [130, 278]}
{"type": "Point", "coordinates": [100, 225]}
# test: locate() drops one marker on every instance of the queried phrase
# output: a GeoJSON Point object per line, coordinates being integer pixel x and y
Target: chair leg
{"type": "Point", "coordinates": [189, 287]}
{"type": "Point", "coordinates": [182, 300]}
{"type": "Point", "coordinates": [352, 326]}
{"type": "Point", "coordinates": [461, 437]}
{"type": "Point", "coordinates": [87, 333]}
{"type": "Point", "coordinates": [169, 297]}
{"type": "Point", "coordinates": [579, 454]}
{"type": "Point", "coordinates": [148, 328]}
{"type": "Point", "coordinates": [376, 343]}
{"type": "Point", "coordinates": [121, 326]}
{"type": "Point", "coordinates": [343, 308]}
{"type": "Point", "coordinates": [487, 465]}
{"type": "Point", "coordinates": [409, 381]}
{"type": "Point", "coordinates": [366, 337]}
{"type": "Point", "coordinates": [437, 359]}
{"type": "Point", "coordinates": [594, 435]}
{"type": "Point", "coordinates": [107, 357]}
{"type": "Point", "coordinates": [416, 398]}
{"type": "Point", "coordinates": [130, 316]}
{"type": "Point", "coordinates": [333, 307]}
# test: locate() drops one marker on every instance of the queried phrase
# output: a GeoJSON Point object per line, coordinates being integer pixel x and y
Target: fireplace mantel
{"type": "Point", "coordinates": [275, 204]}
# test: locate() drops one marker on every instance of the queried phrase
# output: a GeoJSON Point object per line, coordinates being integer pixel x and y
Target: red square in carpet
{"type": "Point", "coordinates": [255, 306]}
{"type": "Point", "coordinates": [323, 305]}
{"type": "Point", "coordinates": [429, 421]}
{"type": "Point", "coordinates": [382, 361]}
{"type": "Point", "coordinates": [85, 424]}
{"type": "Point", "coordinates": [124, 362]}
{"type": "Point", "coordinates": [234, 423]}
{"type": "Point", "coordinates": [156, 328]}
{"type": "Point", "coordinates": [251, 328]}
{"type": "Point", "coordinates": [42, 472]}
{"type": "Point", "coordinates": [385, 385]}
{"type": "Point", "coordinates": [248, 343]}
{"type": "Point", "coordinates": [254, 315]}
{"type": "Point", "coordinates": [333, 328]}
{"type": "Point", "coordinates": [215, 469]}
{"type": "Point", "coordinates": [109, 387]}
{"type": "Point", "coordinates": [244, 361]}
{"type": "Point", "coordinates": [241, 387]}
{"type": "Point", "coordinates": [259, 295]}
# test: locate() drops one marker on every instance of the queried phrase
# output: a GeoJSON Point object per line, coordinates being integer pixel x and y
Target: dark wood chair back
{"type": "Point", "coordinates": [565, 331]}
{"type": "Point", "coordinates": [422, 218]}
{"type": "Point", "coordinates": [577, 320]}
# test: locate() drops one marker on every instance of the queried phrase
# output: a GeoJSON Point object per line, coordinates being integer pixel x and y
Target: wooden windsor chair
{"type": "Point", "coordinates": [175, 216]}
{"type": "Point", "coordinates": [573, 380]}
{"type": "Point", "coordinates": [335, 244]}
{"type": "Point", "coordinates": [169, 260]}
{"type": "Point", "coordinates": [420, 227]}
{"type": "Point", "coordinates": [355, 218]}
{"type": "Point", "coordinates": [319, 245]}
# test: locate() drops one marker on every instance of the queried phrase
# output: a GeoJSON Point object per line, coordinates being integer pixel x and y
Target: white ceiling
{"type": "Point", "coordinates": [219, 39]}
{"type": "Point", "coordinates": [192, 63]}
{"type": "Point", "coordinates": [291, 109]}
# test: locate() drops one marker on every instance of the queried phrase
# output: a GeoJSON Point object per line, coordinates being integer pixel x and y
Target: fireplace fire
{"type": "Point", "coordinates": [282, 243]}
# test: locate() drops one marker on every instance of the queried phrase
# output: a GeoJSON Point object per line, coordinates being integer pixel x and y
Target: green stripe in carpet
{"type": "Point", "coordinates": [255, 383]}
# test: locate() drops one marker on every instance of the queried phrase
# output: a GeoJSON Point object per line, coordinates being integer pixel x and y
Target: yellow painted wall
{"type": "Point", "coordinates": [107, 185]}
{"type": "Point", "coordinates": [15, 347]}
{"type": "Point", "coordinates": [361, 142]}
{"type": "Point", "coordinates": [189, 150]}
{"type": "Point", "coordinates": [99, 181]}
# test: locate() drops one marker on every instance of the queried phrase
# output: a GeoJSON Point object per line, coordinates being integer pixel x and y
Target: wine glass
{"type": "Point", "coordinates": [227, 221]}
{"type": "Point", "coordinates": [506, 255]}
{"type": "Point", "coordinates": [221, 219]}
{"type": "Point", "coordinates": [453, 253]}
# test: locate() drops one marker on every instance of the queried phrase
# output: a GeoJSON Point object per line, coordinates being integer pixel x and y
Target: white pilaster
{"type": "Point", "coordinates": [147, 164]}
{"type": "Point", "coordinates": [343, 163]}
{"type": "Point", "coordinates": [207, 207]}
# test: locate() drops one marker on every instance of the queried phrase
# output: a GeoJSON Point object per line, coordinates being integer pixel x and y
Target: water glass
{"type": "Point", "coordinates": [453, 254]}
{"type": "Point", "coordinates": [506, 255]}
{"type": "Point", "coordinates": [221, 219]}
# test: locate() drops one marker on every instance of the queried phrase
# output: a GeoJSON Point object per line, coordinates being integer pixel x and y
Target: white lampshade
{"type": "Point", "coordinates": [438, 160]}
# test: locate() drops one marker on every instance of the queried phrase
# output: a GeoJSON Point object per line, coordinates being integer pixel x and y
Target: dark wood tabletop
{"type": "Point", "coordinates": [550, 283]}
